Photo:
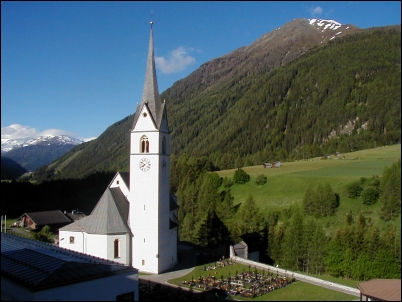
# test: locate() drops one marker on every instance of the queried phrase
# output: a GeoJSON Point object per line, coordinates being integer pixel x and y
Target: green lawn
{"type": "Point", "coordinates": [287, 184]}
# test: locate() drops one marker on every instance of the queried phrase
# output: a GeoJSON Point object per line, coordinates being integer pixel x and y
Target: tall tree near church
{"type": "Point", "coordinates": [309, 205]}
{"type": "Point", "coordinates": [334, 256]}
{"type": "Point", "coordinates": [187, 196]}
{"type": "Point", "coordinates": [208, 195]}
{"type": "Point", "coordinates": [293, 246]}
{"type": "Point", "coordinates": [391, 191]}
{"type": "Point", "coordinates": [210, 231]}
{"type": "Point", "coordinates": [249, 217]}
{"type": "Point", "coordinates": [277, 246]}
{"type": "Point", "coordinates": [316, 250]}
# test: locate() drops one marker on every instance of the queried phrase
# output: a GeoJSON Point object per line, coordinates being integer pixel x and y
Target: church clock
{"type": "Point", "coordinates": [145, 164]}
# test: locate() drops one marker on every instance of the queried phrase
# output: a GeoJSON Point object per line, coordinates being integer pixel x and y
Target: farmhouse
{"type": "Point", "coordinates": [35, 221]}
{"type": "Point", "coordinates": [32, 270]}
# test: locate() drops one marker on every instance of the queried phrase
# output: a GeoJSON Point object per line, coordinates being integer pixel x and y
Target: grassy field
{"type": "Point", "coordinates": [287, 184]}
{"type": "Point", "coordinates": [297, 291]}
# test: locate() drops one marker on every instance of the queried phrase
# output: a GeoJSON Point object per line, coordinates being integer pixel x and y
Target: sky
{"type": "Point", "coordinates": [77, 67]}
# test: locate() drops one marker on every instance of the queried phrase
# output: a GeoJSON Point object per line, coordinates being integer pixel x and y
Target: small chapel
{"type": "Point", "coordinates": [135, 220]}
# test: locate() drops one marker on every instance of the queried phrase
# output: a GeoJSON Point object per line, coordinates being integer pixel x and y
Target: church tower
{"type": "Point", "coordinates": [153, 210]}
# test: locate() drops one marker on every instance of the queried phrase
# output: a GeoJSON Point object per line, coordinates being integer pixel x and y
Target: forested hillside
{"type": "Point", "coordinates": [10, 169]}
{"type": "Point", "coordinates": [341, 96]}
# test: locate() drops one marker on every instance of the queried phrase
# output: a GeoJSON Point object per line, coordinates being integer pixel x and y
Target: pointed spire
{"type": "Point", "coordinates": [150, 95]}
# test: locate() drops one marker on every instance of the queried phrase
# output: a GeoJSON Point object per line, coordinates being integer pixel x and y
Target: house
{"type": "Point", "coordinates": [380, 290]}
{"type": "Point", "coordinates": [276, 164]}
{"type": "Point", "coordinates": [35, 221]}
{"type": "Point", "coordinates": [74, 215]}
{"type": "Point", "coordinates": [32, 270]}
{"type": "Point", "coordinates": [135, 220]}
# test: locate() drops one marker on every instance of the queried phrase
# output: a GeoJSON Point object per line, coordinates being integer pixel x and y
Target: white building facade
{"type": "Point", "coordinates": [135, 221]}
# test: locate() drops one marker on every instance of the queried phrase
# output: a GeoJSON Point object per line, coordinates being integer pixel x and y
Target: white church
{"type": "Point", "coordinates": [135, 220]}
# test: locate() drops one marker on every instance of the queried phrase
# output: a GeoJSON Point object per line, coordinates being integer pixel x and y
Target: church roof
{"type": "Point", "coordinates": [150, 94]}
{"type": "Point", "coordinates": [109, 216]}
{"type": "Point", "coordinates": [38, 265]}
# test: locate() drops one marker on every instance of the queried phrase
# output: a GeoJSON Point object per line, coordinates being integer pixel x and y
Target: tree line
{"type": "Point", "coordinates": [294, 239]}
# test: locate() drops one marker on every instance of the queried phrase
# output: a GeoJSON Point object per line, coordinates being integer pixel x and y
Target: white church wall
{"type": "Point", "coordinates": [123, 256]}
{"type": "Point", "coordinates": [97, 245]}
{"type": "Point", "coordinates": [144, 122]}
{"type": "Point", "coordinates": [72, 240]}
{"type": "Point", "coordinates": [118, 182]}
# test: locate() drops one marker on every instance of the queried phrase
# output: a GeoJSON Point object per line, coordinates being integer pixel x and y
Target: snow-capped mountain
{"type": "Point", "coordinates": [33, 153]}
{"type": "Point", "coordinates": [48, 140]}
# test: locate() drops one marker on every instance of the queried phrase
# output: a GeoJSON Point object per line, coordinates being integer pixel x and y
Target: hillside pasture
{"type": "Point", "coordinates": [287, 184]}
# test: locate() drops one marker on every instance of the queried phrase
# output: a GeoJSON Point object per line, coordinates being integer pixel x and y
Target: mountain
{"type": "Point", "coordinates": [36, 152]}
{"type": "Point", "coordinates": [307, 88]}
{"type": "Point", "coordinates": [10, 169]}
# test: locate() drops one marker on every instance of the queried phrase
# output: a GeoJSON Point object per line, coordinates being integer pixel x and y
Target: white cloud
{"type": "Point", "coordinates": [315, 11]}
{"type": "Point", "coordinates": [21, 132]}
{"type": "Point", "coordinates": [178, 60]}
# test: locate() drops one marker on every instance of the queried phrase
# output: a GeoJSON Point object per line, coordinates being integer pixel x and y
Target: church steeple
{"type": "Point", "coordinates": [150, 94]}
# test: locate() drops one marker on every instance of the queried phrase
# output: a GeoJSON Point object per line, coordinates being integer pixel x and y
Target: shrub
{"type": "Point", "coordinates": [370, 195]}
{"type": "Point", "coordinates": [227, 182]}
{"type": "Point", "coordinates": [241, 177]}
{"type": "Point", "coordinates": [261, 180]}
{"type": "Point", "coordinates": [354, 189]}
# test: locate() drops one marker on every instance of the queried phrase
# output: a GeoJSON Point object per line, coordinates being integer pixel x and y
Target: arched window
{"type": "Point", "coordinates": [164, 145]}
{"type": "Point", "coordinates": [117, 248]}
{"type": "Point", "coordinates": [144, 144]}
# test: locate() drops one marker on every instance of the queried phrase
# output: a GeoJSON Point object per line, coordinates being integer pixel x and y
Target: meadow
{"type": "Point", "coordinates": [287, 184]}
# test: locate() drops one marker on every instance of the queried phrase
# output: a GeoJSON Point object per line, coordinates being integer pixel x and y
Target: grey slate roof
{"type": "Point", "coordinates": [38, 265]}
{"type": "Point", "coordinates": [150, 94]}
{"type": "Point", "coordinates": [109, 216]}
{"type": "Point", "coordinates": [47, 217]}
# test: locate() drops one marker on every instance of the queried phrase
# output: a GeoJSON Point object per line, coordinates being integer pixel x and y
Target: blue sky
{"type": "Point", "coordinates": [78, 67]}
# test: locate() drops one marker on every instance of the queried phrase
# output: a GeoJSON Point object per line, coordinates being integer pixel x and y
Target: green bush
{"type": "Point", "coordinates": [261, 180]}
{"type": "Point", "coordinates": [227, 182]}
{"type": "Point", "coordinates": [241, 177]}
{"type": "Point", "coordinates": [354, 189]}
{"type": "Point", "coordinates": [370, 195]}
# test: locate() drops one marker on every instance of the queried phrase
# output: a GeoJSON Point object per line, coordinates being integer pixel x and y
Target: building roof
{"type": "Point", "coordinates": [38, 265]}
{"type": "Point", "coordinates": [150, 94]}
{"type": "Point", "coordinates": [109, 216]}
{"type": "Point", "coordinates": [47, 217]}
{"type": "Point", "coordinates": [74, 216]}
{"type": "Point", "coordinates": [382, 289]}
{"type": "Point", "coordinates": [240, 245]}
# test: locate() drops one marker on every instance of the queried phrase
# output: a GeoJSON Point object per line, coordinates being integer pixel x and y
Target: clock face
{"type": "Point", "coordinates": [145, 164]}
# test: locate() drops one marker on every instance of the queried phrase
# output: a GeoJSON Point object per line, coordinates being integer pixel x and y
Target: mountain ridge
{"type": "Point", "coordinates": [32, 153]}
{"type": "Point", "coordinates": [244, 103]}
